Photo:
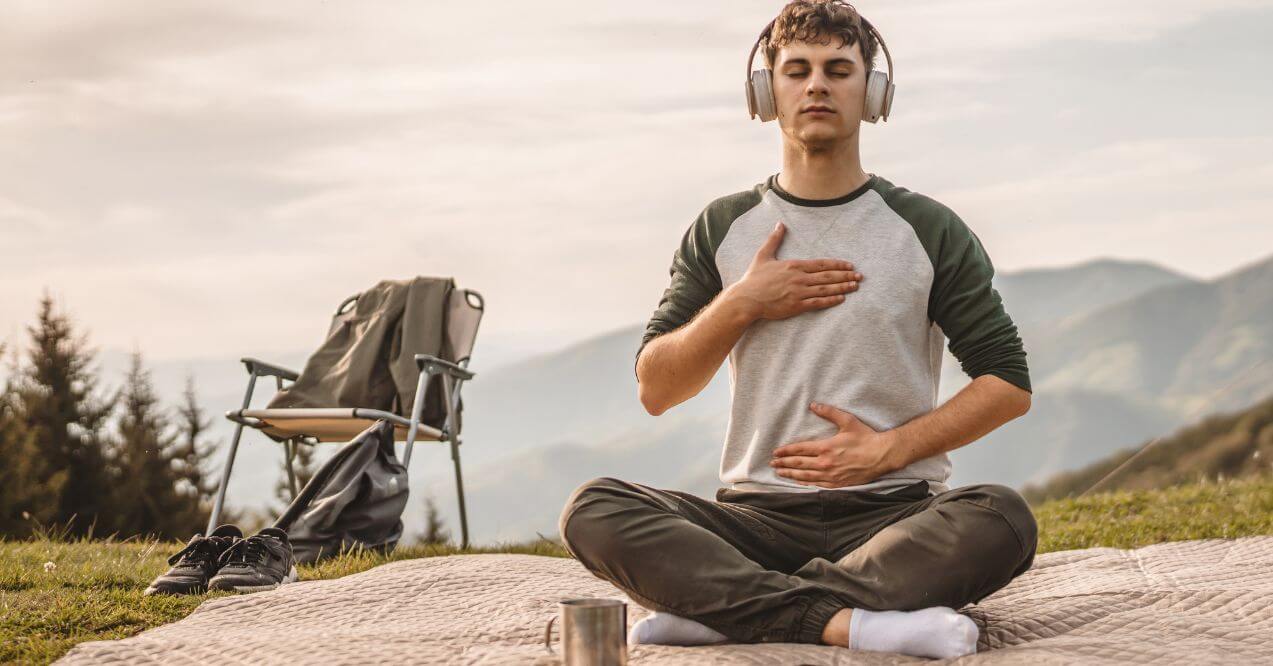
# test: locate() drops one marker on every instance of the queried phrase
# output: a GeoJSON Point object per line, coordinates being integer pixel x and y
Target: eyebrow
{"type": "Point", "coordinates": [830, 63]}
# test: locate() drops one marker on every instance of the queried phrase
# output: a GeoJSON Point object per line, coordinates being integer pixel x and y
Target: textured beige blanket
{"type": "Point", "coordinates": [1208, 601]}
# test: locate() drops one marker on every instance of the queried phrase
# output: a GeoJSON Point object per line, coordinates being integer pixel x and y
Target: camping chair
{"type": "Point", "coordinates": [310, 426]}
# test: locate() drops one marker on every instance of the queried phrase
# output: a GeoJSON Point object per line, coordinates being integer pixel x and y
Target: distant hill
{"type": "Point", "coordinates": [524, 493]}
{"type": "Point", "coordinates": [1039, 295]}
{"type": "Point", "coordinates": [1225, 446]}
{"type": "Point", "coordinates": [1129, 371]}
{"type": "Point", "coordinates": [586, 393]}
{"type": "Point", "coordinates": [1179, 344]}
{"type": "Point", "coordinates": [1064, 429]}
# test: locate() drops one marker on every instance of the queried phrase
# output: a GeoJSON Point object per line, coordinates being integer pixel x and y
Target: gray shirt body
{"type": "Point", "coordinates": [877, 354]}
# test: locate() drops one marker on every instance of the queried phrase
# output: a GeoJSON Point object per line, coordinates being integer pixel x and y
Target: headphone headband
{"type": "Point", "coordinates": [768, 31]}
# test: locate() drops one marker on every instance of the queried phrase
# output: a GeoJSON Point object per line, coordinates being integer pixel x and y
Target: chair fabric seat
{"type": "Point", "coordinates": [329, 425]}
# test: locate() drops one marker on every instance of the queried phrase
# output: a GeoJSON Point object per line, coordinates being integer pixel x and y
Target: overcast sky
{"type": "Point", "coordinates": [208, 179]}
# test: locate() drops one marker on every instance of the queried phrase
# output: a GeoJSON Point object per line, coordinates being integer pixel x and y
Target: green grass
{"type": "Point", "coordinates": [94, 589]}
{"type": "Point", "coordinates": [1130, 519]}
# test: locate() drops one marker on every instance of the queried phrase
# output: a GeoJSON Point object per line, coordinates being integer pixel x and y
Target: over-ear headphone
{"type": "Point", "coordinates": [760, 89]}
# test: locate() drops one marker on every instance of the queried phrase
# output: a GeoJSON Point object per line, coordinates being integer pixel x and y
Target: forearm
{"type": "Point", "coordinates": [980, 407]}
{"type": "Point", "coordinates": [675, 366]}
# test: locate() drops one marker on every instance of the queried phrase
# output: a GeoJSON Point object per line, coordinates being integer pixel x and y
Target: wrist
{"type": "Point", "coordinates": [893, 457]}
{"type": "Point", "coordinates": [742, 309]}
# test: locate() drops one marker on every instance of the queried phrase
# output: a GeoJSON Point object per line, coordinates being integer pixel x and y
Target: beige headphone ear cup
{"type": "Point", "coordinates": [888, 100]}
{"type": "Point", "coordinates": [762, 94]}
{"type": "Point", "coordinates": [877, 90]}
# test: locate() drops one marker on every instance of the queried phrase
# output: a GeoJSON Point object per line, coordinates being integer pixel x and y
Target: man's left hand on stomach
{"type": "Point", "coordinates": [855, 455]}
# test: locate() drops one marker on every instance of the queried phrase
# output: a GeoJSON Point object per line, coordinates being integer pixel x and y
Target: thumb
{"type": "Point", "coordinates": [769, 249]}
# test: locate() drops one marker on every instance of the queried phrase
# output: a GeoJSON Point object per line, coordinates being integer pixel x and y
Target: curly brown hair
{"type": "Point", "coordinates": [817, 22]}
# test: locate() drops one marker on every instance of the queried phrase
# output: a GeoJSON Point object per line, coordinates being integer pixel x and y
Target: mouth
{"type": "Point", "coordinates": [818, 110]}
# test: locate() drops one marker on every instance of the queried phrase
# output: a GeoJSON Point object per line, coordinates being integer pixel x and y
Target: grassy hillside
{"type": "Point", "coordinates": [1224, 446]}
{"type": "Point", "coordinates": [93, 589]}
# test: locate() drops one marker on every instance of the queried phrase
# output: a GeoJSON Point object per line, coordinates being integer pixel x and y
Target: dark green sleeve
{"type": "Point", "coordinates": [695, 281]}
{"type": "Point", "coordinates": [969, 310]}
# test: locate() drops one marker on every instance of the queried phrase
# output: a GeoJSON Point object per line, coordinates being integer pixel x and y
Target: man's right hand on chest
{"type": "Point", "coordinates": [776, 289]}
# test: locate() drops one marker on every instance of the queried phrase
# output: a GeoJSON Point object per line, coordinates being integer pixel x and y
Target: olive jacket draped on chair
{"type": "Point", "coordinates": [368, 357]}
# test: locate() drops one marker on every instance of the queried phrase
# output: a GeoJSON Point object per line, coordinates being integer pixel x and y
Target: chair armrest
{"type": "Point", "coordinates": [263, 369]}
{"type": "Point", "coordinates": [458, 371]}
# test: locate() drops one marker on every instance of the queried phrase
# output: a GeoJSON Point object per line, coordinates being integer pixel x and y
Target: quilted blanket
{"type": "Point", "coordinates": [1207, 601]}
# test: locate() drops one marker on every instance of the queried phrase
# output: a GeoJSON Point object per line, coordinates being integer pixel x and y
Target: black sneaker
{"type": "Point", "coordinates": [260, 562]}
{"type": "Point", "coordinates": [196, 563]}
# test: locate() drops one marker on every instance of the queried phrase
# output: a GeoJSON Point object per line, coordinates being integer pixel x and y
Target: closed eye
{"type": "Point", "coordinates": [841, 75]}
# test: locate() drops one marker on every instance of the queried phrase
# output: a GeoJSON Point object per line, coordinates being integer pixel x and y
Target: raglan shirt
{"type": "Point", "coordinates": [877, 354]}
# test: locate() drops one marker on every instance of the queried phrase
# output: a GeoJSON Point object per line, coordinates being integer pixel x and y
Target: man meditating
{"type": "Point", "coordinates": [831, 291]}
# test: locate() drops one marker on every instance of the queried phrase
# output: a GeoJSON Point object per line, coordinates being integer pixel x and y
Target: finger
{"type": "Point", "coordinates": [831, 277]}
{"type": "Point", "coordinates": [769, 249]}
{"type": "Point", "coordinates": [802, 474]}
{"type": "Point", "coordinates": [808, 448]}
{"type": "Point", "coordinates": [821, 302]}
{"type": "Point", "coordinates": [814, 265]}
{"type": "Point", "coordinates": [817, 290]}
{"type": "Point", "coordinates": [795, 462]}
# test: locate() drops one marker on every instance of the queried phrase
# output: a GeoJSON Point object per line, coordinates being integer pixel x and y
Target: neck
{"type": "Point", "coordinates": [821, 171]}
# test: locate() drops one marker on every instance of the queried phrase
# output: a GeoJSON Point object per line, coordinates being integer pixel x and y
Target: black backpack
{"type": "Point", "coordinates": [355, 500]}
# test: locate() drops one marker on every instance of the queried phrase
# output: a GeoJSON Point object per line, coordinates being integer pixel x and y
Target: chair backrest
{"type": "Point", "coordinates": [463, 313]}
{"type": "Point", "coordinates": [466, 309]}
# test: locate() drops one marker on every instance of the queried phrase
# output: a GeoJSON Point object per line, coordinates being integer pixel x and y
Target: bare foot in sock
{"type": "Point", "coordinates": [668, 629]}
{"type": "Point", "coordinates": [938, 632]}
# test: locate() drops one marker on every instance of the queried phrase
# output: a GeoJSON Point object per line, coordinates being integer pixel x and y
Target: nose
{"type": "Point", "coordinates": [817, 84]}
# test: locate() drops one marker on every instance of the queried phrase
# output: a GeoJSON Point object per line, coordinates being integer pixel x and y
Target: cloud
{"type": "Point", "coordinates": [233, 170]}
{"type": "Point", "coordinates": [59, 44]}
{"type": "Point", "coordinates": [1155, 198]}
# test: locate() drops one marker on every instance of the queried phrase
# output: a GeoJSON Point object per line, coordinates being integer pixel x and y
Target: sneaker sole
{"type": "Point", "coordinates": [292, 577]}
{"type": "Point", "coordinates": [152, 590]}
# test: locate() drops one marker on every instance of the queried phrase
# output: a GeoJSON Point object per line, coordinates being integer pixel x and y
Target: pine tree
{"type": "Point", "coordinates": [57, 403]}
{"type": "Point", "coordinates": [303, 464]}
{"type": "Point", "coordinates": [433, 532]}
{"type": "Point", "coordinates": [191, 457]}
{"type": "Point", "coordinates": [140, 438]}
{"type": "Point", "coordinates": [28, 491]}
{"type": "Point", "coordinates": [148, 500]}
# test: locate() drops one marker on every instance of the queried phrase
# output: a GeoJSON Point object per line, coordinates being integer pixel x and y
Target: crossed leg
{"type": "Point", "coordinates": [950, 549]}
{"type": "Point", "coordinates": [712, 562]}
{"type": "Point", "coordinates": [755, 574]}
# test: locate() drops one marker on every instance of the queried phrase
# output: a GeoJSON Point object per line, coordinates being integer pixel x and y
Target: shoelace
{"type": "Point", "coordinates": [246, 551]}
{"type": "Point", "coordinates": [199, 552]}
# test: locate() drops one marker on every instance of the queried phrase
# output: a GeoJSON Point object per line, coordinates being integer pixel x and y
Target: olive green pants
{"type": "Point", "coordinates": [761, 566]}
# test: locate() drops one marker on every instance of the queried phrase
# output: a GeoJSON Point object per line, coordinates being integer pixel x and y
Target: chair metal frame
{"type": "Point", "coordinates": [453, 377]}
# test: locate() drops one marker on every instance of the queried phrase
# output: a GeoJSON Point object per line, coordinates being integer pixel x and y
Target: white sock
{"type": "Point", "coordinates": [938, 632]}
{"type": "Point", "coordinates": [669, 629]}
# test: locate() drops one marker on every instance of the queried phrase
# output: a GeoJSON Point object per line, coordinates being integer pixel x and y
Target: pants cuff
{"type": "Point", "coordinates": [816, 617]}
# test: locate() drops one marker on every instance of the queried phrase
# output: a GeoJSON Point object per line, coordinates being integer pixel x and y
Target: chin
{"type": "Point", "coordinates": [819, 135]}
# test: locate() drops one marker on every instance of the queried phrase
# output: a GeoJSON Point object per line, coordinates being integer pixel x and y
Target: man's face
{"type": "Point", "coordinates": [819, 90]}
